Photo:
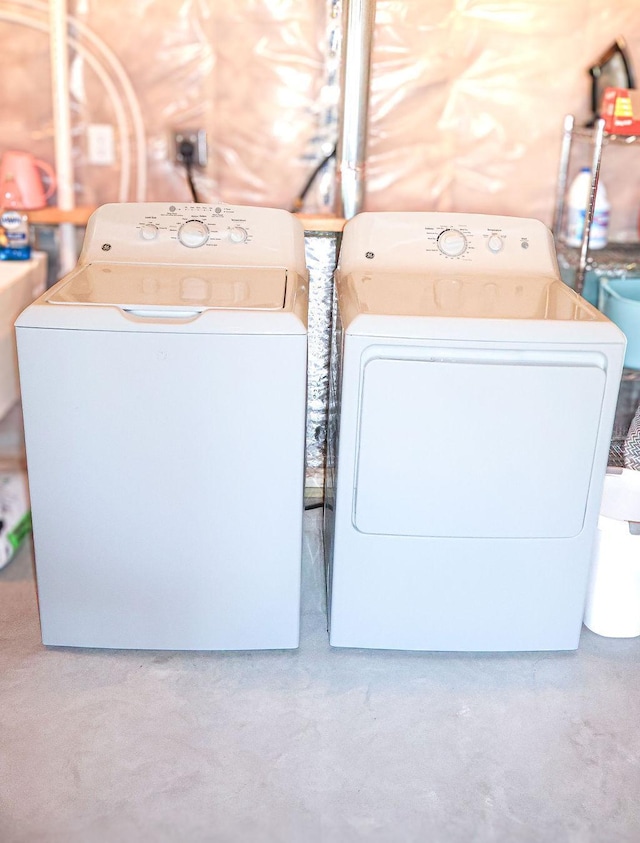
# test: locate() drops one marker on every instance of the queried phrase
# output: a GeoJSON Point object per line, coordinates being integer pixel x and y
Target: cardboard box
{"type": "Point", "coordinates": [621, 111]}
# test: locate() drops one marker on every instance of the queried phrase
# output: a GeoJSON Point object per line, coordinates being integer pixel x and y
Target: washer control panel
{"type": "Point", "coordinates": [194, 226]}
{"type": "Point", "coordinates": [447, 244]}
{"type": "Point", "coordinates": [229, 235]}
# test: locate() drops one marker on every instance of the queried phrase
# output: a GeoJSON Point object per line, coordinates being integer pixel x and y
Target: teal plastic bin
{"type": "Point", "coordinates": [620, 301]}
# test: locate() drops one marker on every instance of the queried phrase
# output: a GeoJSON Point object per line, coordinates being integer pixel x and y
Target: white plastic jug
{"type": "Point", "coordinates": [577, 210]}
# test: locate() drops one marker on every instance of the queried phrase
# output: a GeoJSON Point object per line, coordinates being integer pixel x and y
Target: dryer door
{"type": "Point", "coordinates": [477, 443]}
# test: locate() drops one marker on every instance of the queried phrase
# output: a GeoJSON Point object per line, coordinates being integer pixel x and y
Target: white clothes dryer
{"type": "Point", "coordinates": [164, 385]}
{"type": "Point", "coordinates": [472, 398]}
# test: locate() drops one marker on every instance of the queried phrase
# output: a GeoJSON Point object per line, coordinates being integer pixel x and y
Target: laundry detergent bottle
{"type": "Point", "coordinates": [15, 240]}
{"type": "Point", "coordinates": [578, 201]}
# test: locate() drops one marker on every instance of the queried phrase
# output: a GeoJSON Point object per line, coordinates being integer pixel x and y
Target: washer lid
{"type": "Point", "coordinates": [136, 286]}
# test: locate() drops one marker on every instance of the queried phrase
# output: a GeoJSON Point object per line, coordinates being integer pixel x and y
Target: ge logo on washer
{"type": "Point", "coordinates": [369, 255]}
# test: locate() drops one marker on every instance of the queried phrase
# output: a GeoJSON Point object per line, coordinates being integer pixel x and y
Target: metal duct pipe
{"type": "Point", "coordinates": [358, 19]}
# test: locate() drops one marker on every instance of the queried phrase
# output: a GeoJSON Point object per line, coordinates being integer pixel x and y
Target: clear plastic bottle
{"type": "Point", "coordinates": [15, 240]}
{"type": "Point", "coordinates": [577, 210]}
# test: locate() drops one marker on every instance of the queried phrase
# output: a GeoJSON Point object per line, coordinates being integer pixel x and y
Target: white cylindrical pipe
{"type": "Point", "coordinates": [359, 16]}
{"type": "Point", "coordinates": [68, 240]}
{"type": "Point", "coordinates": [112, 93]}
{"type": "Point", "coordinates": [59, 54]}
{"type": "Point", "coordinates": [113, 64]}
{"type": "Point", "coordinates": [68, 254]}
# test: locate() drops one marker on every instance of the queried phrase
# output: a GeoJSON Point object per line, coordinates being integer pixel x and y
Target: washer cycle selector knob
{"type": "Point", "coordinates": [238, 234]}
{"type": "Point", "coordinates": [452, 242]}
{"type": "Point", "coordinates": [193, 233]}
{"type": "Point", "coordinates": [148, 231]}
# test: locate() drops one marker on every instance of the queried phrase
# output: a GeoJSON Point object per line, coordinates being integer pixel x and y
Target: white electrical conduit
{"type": "Point", "coordinates": [116, 67]}
{"type": "Point", "coordinates": [94, 64]}
{"type": "Point", "coordinates": [59, 63]}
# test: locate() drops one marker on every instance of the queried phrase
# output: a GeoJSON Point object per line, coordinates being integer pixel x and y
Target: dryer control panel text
{"type": "Point", "coordinates": [447, 244]}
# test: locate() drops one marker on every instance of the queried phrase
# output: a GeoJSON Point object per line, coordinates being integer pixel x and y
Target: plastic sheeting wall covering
{"type": "Point", "coordinates": [466, 110]}
{"type": "Point", "coordinates": [252, 74]}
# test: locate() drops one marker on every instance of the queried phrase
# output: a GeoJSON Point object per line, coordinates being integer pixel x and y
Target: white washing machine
{"type": "Point", "coordinates": [163, 385]}
{"type": "Point", "coordinates": [472, 399]}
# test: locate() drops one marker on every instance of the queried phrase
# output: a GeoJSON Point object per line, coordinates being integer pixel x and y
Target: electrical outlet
{"type": "Point", "coordinates": [197, 139]}
{"type": "Point", "coordinates": [100, 144]}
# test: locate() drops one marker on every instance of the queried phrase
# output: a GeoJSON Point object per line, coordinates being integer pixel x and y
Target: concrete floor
{"type": "Point", "coordinates": [312, 745]}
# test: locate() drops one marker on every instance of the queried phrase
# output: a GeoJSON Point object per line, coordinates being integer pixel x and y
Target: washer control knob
{"type": "Point", "coordinates": [495, 243]}
{"type": "Point", "coordinates": [193, 233]}
{"type": "Point", "coordinates": [452, 242]}
{"type": "Point", "coordinates": [238, 234]}
{"type": "Point", "coordinates": [148, 231]}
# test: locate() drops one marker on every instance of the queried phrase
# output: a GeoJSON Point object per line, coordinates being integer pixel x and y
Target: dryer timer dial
{"type": "Point", "coordinates": [452, 242]}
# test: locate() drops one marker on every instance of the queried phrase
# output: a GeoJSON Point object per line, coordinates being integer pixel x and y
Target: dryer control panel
{"type": "Point", "coordinates": [447, 244]}
{"type": "Point", "coordinates": [196, 234]}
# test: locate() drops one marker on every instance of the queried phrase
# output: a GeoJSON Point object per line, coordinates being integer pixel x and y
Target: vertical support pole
{"type": "Point", "coordinates": [358, 17]}
{"type": "Point", "coordinates": [563, 169]}
{"type": "Point", "coordinates": [598, 143]}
